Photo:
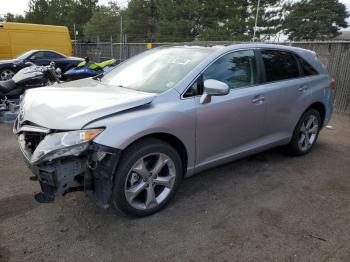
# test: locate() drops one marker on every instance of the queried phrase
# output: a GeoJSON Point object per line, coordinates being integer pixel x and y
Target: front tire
{"type": "Point", "coordinates": [306, 133]}
{"type": "Point", "coordinates": [148, 176]}
{"type": "Point", "coordinates": [6, 74]}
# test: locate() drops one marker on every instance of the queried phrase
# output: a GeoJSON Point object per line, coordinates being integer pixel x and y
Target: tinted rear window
{"type": "Point", "coordinates": [279, 65]}
{"type": "Point", "coordinates": [307, 69]}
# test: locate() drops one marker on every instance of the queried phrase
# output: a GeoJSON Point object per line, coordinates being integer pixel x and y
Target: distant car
{"type": "Point", "coordinates": [132, 134]}
{"type": "Point", "coordinates": [8, 68]}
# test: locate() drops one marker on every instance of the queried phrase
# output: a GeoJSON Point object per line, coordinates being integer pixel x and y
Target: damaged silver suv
{"type": "Point", "coordinates": [130, 136]}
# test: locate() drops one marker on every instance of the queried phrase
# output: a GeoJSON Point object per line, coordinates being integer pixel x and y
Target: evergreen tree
{"type": "Point", "coordinates": [190, 20]}
{"type": "Point", "coordinates": [12, 18]}
{"type": "Point", "coordinates": [104, 23]}
{"type": "Point", "coordinates": [60, 12]}
{"type": "Point", "coordinates": [269, 22]}
{"type": "Point", "coordinates": [314, 19]}
{"type": "Point", "coordinates": [223, 20]}
{"type": "Point", "coordinates": [139, 20]}
{"type": "Point", "coordinates": [176, 20]}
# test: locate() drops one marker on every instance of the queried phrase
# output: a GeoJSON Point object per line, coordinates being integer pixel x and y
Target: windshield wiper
{"type": "Point", "coordinates": [127, 87]}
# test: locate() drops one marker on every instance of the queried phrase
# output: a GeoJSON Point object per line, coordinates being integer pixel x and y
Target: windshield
{"type": "Point", "coordinates": [24, 55]}
{"type": "Point", "coordinates": [156, 70]}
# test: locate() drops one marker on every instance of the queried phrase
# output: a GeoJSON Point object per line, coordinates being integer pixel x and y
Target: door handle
{"type": "Point", "coordinates": [258, 99]}
{"type": "Point", "coordinates": [303, 88]}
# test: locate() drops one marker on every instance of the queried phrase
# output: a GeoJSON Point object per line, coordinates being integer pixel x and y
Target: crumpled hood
{"type": "Point", "coordinates": [72, 105]}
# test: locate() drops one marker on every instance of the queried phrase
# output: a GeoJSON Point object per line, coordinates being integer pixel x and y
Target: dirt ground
{"type": "Point", "coordinates": [268, 207]}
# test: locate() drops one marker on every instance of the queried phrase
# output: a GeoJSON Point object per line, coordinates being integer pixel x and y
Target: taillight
{"type": "Point", "coordinates": [333, 84]}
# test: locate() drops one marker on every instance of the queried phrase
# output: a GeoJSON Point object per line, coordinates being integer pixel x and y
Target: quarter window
{"type": "Point", "coordinates": [237, 69]}
{"type": "Point", "coordinates": [307, 69]}
{"type": "Point", "coordinates": [195, 89]}
{"type": "Point", "coordinates": [279, 65]}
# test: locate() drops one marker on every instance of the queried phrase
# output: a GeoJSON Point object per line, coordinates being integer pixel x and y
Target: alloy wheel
{"type": "Point", "coordinates": [308, 133]}
{"type": "Point", "coordinates": [6, 74]}
{"type": "Point", "coordinates": [150, 181]}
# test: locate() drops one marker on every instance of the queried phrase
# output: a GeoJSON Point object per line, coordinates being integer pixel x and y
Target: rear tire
{"type": "Point", "coordinates": [306, 133]}
{"type": "Point", "coordinates": [148, 176]}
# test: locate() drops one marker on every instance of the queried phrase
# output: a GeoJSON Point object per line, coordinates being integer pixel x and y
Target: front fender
{"type": "Point", "coordinates": [174, 118]}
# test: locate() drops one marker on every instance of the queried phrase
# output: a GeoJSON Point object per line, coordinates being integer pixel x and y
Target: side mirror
{"type": "Point", "coordinates": [213, 88]}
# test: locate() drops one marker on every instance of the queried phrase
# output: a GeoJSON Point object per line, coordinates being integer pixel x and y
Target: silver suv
{"type": "Point", "coordinates": [131, 135]}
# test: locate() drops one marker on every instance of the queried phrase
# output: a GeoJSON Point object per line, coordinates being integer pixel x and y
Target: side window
{"type": "Point", "coordinates": [37, 55]}
{"type": "Point", "coordinates": [306, 68]}
{"type": "Point", "coordinates": [237, 69]}
{"type": "Point", "coordinates": [279, 65]}
{"type": "Point", "coordinates": [52, 55]}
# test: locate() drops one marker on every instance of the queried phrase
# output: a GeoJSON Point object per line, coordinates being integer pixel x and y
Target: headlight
{"type": "Point", "coordinates": [64, 144]}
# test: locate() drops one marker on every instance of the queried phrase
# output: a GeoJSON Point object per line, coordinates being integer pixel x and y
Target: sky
{"type": "Point", "coordinates": [19, 6]}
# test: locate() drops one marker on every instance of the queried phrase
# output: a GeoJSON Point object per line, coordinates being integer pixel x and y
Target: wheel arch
{"type": "Point", "coordinates": [320, 107]}
{"type": "Point", "coordinates": [172, 140]}
{"type": "Point", "coordinates": [8, 67]}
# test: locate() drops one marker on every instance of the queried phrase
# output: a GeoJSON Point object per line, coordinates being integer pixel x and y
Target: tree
{"type": "Point", "coordinates": [314, 19]}
{"type": "Point", "coordinates": [223, 20]}
{"type": "Point", "coordinates": [176, 20]}
{"type": "Point", "coordinates": [38, 11]}
{"type": "Point", "coordinates": [12, 18]}
{"type": "Point", "coordinates": [139, 20]}
{"type": "Point", "coordinates": [269, 22]}
{"type": "Point", "coordinates": [104, 23]}
{"type": "Point", "coordinates": [61, 12]}
{"type": "Point", "coordinates": [80, 13]}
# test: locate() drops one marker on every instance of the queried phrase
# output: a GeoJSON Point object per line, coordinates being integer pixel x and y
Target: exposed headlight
{"type": "Point", "coordinates": [64, 144]}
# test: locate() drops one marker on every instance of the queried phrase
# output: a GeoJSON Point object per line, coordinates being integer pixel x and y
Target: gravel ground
{"type": "Point", "coordinates": [268, 207]}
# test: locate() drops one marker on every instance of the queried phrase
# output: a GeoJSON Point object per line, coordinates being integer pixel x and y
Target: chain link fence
{"type": "Point", "coordinates": [334, 55]}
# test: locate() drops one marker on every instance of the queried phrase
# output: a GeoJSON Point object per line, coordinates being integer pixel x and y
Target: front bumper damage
{"type": "Point", "coordinates": [92, 170]}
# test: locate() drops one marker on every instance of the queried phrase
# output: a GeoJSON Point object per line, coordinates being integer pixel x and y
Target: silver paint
{"type": "Point", "coordinates": [245, 121]}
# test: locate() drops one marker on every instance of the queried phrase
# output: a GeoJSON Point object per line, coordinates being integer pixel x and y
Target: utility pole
{"type": "Point", "coordinates": [75, 40]}
{"type": "Point", "coordinates": [121, 38]}
{"type": "Point", "coordinates": [256, 20]}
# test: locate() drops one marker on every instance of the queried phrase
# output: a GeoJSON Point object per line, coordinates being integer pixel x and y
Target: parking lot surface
{"type": "Point", "coordinates": [267, 207]}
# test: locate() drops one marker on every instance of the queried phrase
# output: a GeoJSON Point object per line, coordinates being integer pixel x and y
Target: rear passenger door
{"type": "Point", "coordinates": [287, 93]}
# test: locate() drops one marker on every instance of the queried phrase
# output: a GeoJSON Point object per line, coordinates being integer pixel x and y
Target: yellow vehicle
{"type": "Point", "coordinates": [17, 38]}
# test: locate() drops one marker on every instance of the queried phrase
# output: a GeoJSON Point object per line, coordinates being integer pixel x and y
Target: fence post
{"type": "Point", "coordinates": [111, 46]}
{"type": "Point", "coordinates": [125, 47]}
{"type": "Point", "coordinates": [121, 38]}
{"type": "Point", "coordinates": [98, 48]}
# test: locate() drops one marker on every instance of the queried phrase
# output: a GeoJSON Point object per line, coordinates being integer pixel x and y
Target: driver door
{"type": "Point", "coordinates": [233, 123]}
